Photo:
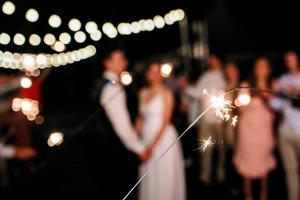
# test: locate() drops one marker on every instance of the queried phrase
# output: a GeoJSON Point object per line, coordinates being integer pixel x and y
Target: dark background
{"type": "Point", "coordinates": [240, 30]}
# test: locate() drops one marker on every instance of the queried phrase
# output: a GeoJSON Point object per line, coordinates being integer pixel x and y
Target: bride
{"type": "Point", "coordinates": [167, 180]}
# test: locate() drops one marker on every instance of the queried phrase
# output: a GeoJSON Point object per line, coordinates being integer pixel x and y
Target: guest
{"type": "Point", "coordinates": [212, 80]}
{"type": "Point", "coordinates": [253, 156]}
{"type": "Point", "coordinates": [167, 180]}
{"type": "Point", "coordinates": [121, 142]}
{"type": "Point", "coordinates": [289, 142]}
{"type": "Point", "coordinates": [232, 76]}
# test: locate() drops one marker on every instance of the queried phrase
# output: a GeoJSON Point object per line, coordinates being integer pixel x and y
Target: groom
{"type": "Point", "coordinates": [123, 149]}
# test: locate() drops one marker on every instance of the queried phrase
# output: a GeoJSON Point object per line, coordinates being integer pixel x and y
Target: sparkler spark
{"type": "Point", "coordinates": [204, 92]}
{"type": "Point", "coordinates": [222, 106]}
{"type": "Point", "coordinates": [234, 120]}
{"type": "Point", "coordinates": [206, 144]}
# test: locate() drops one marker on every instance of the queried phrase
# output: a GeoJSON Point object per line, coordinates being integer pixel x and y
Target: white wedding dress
{"type": "Point", "coordinates": [166, 181]}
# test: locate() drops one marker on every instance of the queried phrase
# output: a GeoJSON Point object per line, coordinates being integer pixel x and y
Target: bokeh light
{"type": "Point", "coordinates": [49, 39]}
{"type": "Point", "coordinates": [74, 25]}
{"type": "Point", "coordinates": [4, 38]}
{"type": "Point", "coordinates": [166, 70]}
{"type": "Point", "coordinates": [8, 8]}
{"type": "Point", "coordinates": [19, 39]}
{"type": "Point", "coordinates": [55, 139]}
{"type": "Point", "coordinates": [32, 15]}
{"type": "Point", "coordinates": [80, 37]}
{"type": "Point", "coordinates": [25, 82]}
{"type": "Point", "coordinates": [126, 78]}
{"type": "Point", "coordinates": [65, 38]}
{"type": "Point", "coordinates": [91, 27]}
{"type": "Point", "coordinates": [54, 21]}
{"type": "Point", "coordinates": [96, 36]}
{"type": "Point", "coordinates": [34, 39]}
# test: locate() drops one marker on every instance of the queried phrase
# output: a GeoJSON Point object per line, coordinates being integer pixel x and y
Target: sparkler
{"type": "Point", "coordinates": [206, 144]}
{"type": "Point", "coordinates": [222, 110]}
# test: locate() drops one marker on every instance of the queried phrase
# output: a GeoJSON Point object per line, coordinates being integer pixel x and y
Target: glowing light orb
{"type": "Point", "coordinates": [19, 39]}
{"type": "Point", "coordinates": [159, 21]}
{"type": "Point", "coordinates": [28, 61]}
{"type": "Point", "coordinates": [80, 37]}
{"type": "Point", "coordinates": [96, 36]}
{"type": "Point", "coordinates": [109, 29]}
{"type": "Point", "coordinates": [34, 40]}
{"type": "Point", "coordinates": [25, 82]}
{"type": "Point", "coordinates": [166, 70]}
{"type": "Point", "coordinates": [49, 39]}
{"type": "Point", "coordinates": [32, 15]}
{"type": "Point", "coordinates": [74, 25]}
{"type": "Point", "coordinates": [91, 27]}
{"type": "Point", "coordinates": [59, 46]}
{"type": "Point", "coordinates": [65, 38]}
{"type": "Point", "coordinates": [8, 8]}
{"type": "Point", "coordinates": [126, 78]}
{"type": "Point", "coordinates": [4, 38]}
{"type": "Point", "coordinates": [55, 139]}
{"type": "Point", "coordinates": [54, 21]}
{"type": "Point", "coordinates": [244, 99]}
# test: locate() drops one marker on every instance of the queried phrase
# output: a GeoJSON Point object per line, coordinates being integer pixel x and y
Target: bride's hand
{"type": "Point", "coordinates": [145, 155]}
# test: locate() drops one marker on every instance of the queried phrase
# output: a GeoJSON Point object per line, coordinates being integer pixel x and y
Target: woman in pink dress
{"type": "Point", "coordinates": [254, 158]}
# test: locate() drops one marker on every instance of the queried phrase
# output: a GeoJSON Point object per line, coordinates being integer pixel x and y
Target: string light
{"type": "Point", "coordinates": [19, 39]}
{"type": "Point", "coordinates": [65, 38]}
{"type": "Point", "coordinates": [80, 37]}
{"type": "Point", "coordinates": [28, 107]}
{"type": "Point", "coordinates": [124, 28]}
{"type": "Point", "coordinates": [32, 62]}
{"type": "Point", "coordinates": [25, 82]}
{"type": "Point", "coordinates": [41, 61]}
{"type": "Point", "coordinates": [4, 38]}
{"type": "Point", "coordinates": [34, 40]}
{"type": "Point", "coordinates": [8, 8]}
{"type": "Point", "coordinates": [135, 27]}
{"type": "Point", "coordinates": [91, 27]}
{"type": "Point", "coordinates": [149, 25]}
{"type": "Point", "coordinates": [159, 21]}
{"type": "Point", "coordinates": [109, 29]}
{"type": "Point", "coordinates": [74, 25]}
{"type": "Point", "coordinates": [126, 78]}
{"type": "Point", "coordinates": [32, 15]}
{"type": "Point", "coordinates": [54, 21]}
{"type": "Point", "coordinates": [243, 99]}
{"type": "Point", "coordinates": [49, 39]}
{"type": "Point", "coordinates": [55, 139]}
{"type": "Point", "coordinates": [59, 46]}
{"type": "Point", "coordinates": [96, 36]}
{"type": "Point", "coordinates": [166, 70]}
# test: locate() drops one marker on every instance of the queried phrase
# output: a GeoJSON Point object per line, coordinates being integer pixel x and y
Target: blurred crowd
{"type": "Point", "coordinates": [268, 113]}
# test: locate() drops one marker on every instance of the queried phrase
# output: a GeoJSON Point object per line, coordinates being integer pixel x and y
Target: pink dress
{"type": "Point", "coordinates": [253, 157]}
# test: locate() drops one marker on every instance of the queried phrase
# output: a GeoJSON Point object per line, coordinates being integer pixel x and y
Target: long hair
{"type": "Point", "coordinates": [253, 81]}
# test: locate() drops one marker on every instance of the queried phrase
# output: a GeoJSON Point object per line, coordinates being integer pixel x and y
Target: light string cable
{"type": "Point", "coordinates": [195, 121]}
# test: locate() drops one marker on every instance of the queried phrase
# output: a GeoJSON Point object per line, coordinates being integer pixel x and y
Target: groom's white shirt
{"type": "Point", "coordinates": [113, 100]}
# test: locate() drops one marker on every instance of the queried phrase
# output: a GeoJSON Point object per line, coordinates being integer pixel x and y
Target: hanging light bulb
{"type": "Point", "coordinates": [54, 21]}
{"type": "Point", "coordinates": [74, 25]}
{"type": "Point", "coordinates": [91, 27]}
{"type": "Point", "coordinates": [34, 40]}
{"type": "Point", "coordinates": [8, 8]}
{"type": "Point", "coordinates": [96, 36]}
{"type": "Point", "coordinates": [19, 39]}
{"type": "Point", "coordinates": [32, 15]}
